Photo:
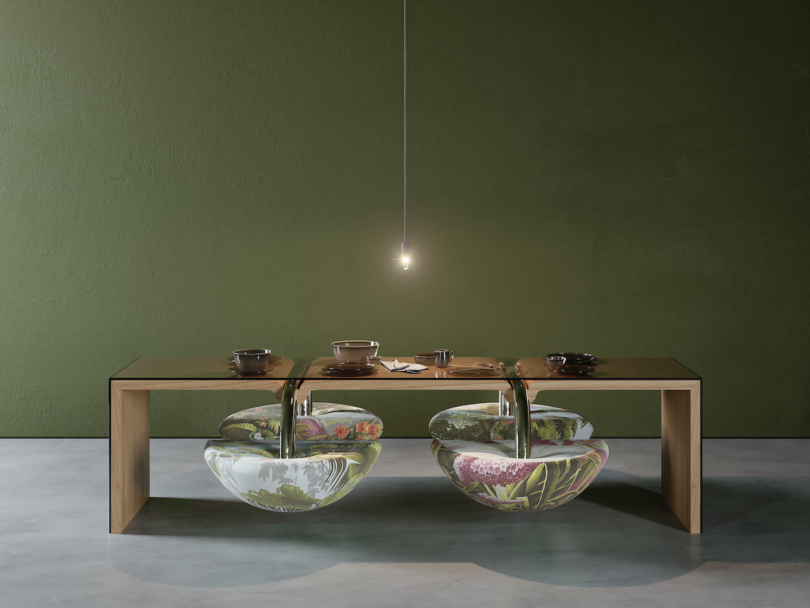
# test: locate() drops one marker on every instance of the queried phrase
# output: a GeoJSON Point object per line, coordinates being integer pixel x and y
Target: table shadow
{"type": "Point", "coordinates": [617, 533]}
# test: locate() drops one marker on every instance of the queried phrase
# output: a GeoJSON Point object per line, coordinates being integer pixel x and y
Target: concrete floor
{"type": "Point", "coordinates": [405, 536]}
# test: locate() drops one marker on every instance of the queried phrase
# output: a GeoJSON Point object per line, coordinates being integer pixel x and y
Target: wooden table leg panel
{"type": "Point", "coordinates": [129, 455]}
{"type": "Point", "coordinates": [681, 455]}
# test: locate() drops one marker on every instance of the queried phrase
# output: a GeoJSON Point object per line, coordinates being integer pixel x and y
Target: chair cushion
{"type": "Point", "coordinates": [328, 422]}
{"type": "Point", "coordinates": [320, 473]}
{"type": "Point", "coordinates": [481, 422]}
{"type": "Point", "coordinates": [490, 474]}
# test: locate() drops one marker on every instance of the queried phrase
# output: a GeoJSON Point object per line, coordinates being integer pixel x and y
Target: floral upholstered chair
{"type": "Point", "coordinates": [327, 422]}
{"type": "Point", "coordinates": [489, 473]}
{"type": "Point", "coordinates": [320, 473]}
{"type": "Point", "coordinates": [482, 422]}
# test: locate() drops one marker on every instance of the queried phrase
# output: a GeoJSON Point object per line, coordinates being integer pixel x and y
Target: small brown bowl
{"type": "Point", "coordinates": [426, 358]}
{"type": "Point", "coordinates": [252, 360]}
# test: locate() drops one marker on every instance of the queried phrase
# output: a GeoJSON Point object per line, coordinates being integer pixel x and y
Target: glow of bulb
{"type": "Point", "coordinates": [405, 261]}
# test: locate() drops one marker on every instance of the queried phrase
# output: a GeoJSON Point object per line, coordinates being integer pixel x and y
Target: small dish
{"type": "Point", "coordinates": [349, 369]}
{"type": "Point", "coordinates": [471, 371]}
{"type": "Point", "coordinates": [575, 370]}
{"type": "Point", "coordinates": [575, 358]}
{"type": "Point", "coordinates": [426, 358]}
{"type": "Point", "coordinates": [235, 370]}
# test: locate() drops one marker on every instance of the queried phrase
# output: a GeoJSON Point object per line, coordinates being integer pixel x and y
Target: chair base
{"type": "Point", "coordinates": [489, 473]}
{"type": "Point", "coordinates": [320, 474]}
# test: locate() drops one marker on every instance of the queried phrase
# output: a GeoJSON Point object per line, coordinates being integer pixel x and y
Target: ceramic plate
{"type": "Point", "coordinates": [575, 358]}
{"type": "Point", "coordinates": [574, 370]}
{"type": "Point", "coordinates": [235, 370]}
{"type": "Point", "coordinates": [349, 369]}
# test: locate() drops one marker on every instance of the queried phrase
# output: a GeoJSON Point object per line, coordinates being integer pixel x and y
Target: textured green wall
{"type": "Point", "coordinates": [184, 178]}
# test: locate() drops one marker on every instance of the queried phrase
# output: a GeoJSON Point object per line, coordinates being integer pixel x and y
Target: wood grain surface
{"type": "Point", "coordinates": [129, 455]}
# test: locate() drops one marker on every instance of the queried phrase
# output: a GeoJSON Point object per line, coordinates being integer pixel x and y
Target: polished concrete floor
{"type": "Point", "coordinates": [405, 536]}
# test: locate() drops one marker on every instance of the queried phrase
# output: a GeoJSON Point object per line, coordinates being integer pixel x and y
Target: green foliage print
{"type": "Point", "coordinates": [544, 428]}
{"type": "Point", "coordinates": [289, 498]}
{"type": "Point", "coordinates": [463, 428]}
{"type": "Point", "coordinates": [481, 422]}
{"type": "Point", "coordinates": [328, 422]}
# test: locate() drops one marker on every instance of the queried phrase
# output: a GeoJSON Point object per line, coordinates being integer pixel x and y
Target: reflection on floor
{"type": "Point", "coordinates": [405, 536]}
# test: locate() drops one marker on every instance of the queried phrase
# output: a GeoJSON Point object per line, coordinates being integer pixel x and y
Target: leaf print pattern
{"type": "Point", "coordinates": [481, 422]}
{"type": "Point", "coordinates": [489, 473]}
{"type": "Point", "coordinates": [328, 422]}
{"type": "Point", "coordinates": [320, 474]}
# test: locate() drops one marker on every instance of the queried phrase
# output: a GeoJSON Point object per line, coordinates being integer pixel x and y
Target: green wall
{"type": "Point", "coordinates": [182, 178]}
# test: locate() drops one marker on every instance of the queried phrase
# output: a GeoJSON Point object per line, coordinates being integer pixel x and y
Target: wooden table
{"type": "Point", "coordinates": [292, 380]}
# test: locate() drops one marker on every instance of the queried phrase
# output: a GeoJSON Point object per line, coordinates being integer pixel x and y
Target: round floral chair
{"type": "Point", "coordinates": [328, 422]}
{"type": "Point", "coordinates": [481, 422]}
{"type": "Point", "coordinates": [490, 474]}
{"type": "Point", "coordinates": [320, 474]}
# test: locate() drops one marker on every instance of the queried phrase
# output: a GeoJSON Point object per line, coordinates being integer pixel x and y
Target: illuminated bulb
{"type": "Point", "coordinates": [405, 255]}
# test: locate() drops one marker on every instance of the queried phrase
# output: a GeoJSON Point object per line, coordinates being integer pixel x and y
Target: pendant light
{"type": "Point", "coordinates": [405, 249]}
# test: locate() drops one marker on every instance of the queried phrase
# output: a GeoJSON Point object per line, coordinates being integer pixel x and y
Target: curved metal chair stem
{"type": "Point", "coordinates": [523, 426]}
{"type": "Point", "coordinates": [289, 409]}
{"type": "Point", "coordinates": [522, 413]}
{"type": "Point", "coordinates": [504, 407]}
{"type": "Point", "coordinates": [289, 417]}
{"type": "Point", "coordinates": [305, 408]}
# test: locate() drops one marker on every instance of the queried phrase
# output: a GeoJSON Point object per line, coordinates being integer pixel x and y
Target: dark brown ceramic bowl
{"type": "Point", "coordinates": [252, 360]}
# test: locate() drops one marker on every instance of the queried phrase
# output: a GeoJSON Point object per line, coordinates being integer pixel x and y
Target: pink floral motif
{"type": "Point", "coordinates": [308, 427]}
{"type": "Point", "coordinates": [492, 472]}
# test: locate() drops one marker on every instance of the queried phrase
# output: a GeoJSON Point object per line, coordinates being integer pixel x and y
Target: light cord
{"type": "Point", "coordinates": [405, 116]}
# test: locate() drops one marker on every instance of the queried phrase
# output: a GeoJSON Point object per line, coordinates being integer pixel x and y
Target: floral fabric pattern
{"type": "Point", "coordinates": [481, 422]}
{"type": "Point", "coordinates": [328, 422]}
{"type": "Point", "coordinates": [320, 474]}
{"type": "Point", "coordinates": [489, 473]}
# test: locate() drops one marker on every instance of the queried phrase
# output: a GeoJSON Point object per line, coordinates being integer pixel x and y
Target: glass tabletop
{"type": "Point", "coordinates": [461, 368]}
